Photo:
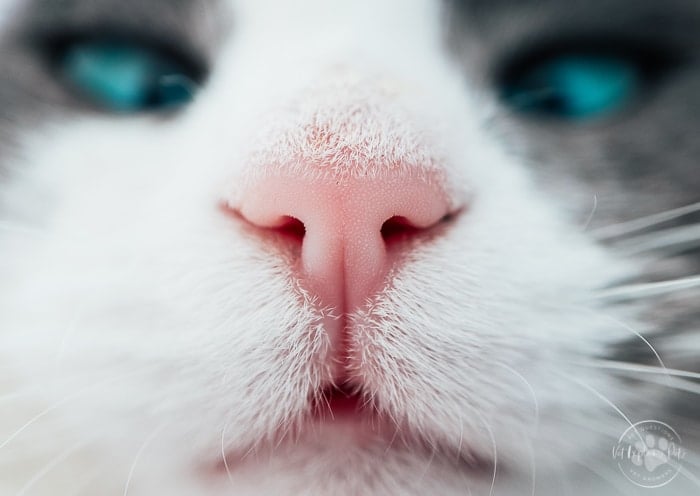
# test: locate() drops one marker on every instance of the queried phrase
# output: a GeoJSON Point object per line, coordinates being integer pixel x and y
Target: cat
{"type": "Point", "coordinates": [265, 247]}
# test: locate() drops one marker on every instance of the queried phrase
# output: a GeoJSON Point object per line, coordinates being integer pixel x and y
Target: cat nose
{"type": "Point", "coordinates": [352, 230]}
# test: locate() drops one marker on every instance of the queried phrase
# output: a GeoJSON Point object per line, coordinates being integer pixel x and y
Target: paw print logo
{"type": "Point", "coordinates": [649, 453]}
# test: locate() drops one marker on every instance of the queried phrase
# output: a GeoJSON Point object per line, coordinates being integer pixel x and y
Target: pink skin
{"type": "Point", "coordinates": [346, 226]}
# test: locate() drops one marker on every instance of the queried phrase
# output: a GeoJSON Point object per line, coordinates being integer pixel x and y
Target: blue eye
{"type": "Point", "coordinates": [127, 77]}
{"type": "Point", "coordinates": [575, 87]}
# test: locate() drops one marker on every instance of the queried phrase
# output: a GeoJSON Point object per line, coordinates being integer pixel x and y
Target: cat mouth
{"type": "Point", "coordinates": [344, 418]}
{"type": "Point", "coordinates": [345, 401]}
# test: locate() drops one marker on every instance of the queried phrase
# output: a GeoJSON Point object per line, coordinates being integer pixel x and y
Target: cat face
{"type": "Point", "coordinates": [258, 247]}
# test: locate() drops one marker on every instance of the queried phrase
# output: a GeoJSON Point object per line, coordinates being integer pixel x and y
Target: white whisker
{"type": "Point", "coordinates": [616, 230]}
{"type": "Point", "coordinates": [683, 471]}
{"type": "Point", "coordinates": [596, 425]}
{"type": "Point", "coordinates": [638, 335]}
{"type": "Point", "coordinates": [223, 454]}
{"type": "Point", "coordinates": [618, 483]}
{"type": "Point", "coordinates": [593, 211]}
{"type": "Point", "coordinates": [50, 466]}
{"type": "Point", "coordinates": [396, 433]}
{"type": "Point", "coordinates": [568, 490]}
{"type": "Point", "coordinates": [647, 290]}
{"type": "Point", "coordinates": [493, 447]}
{"type": "Point", "coordinates": [461, 438]}
{"type": "Point", "coordinates": [649, 369]}
{"type": "Point", "coordinates": [143, 447]}
{"type": "Point", "coordinates": [533, 466]}
{"type": "Point", "coordinates": [689, 475]}
{"type": "Point", "coordinates": [606, 400]}
{"type": "Point", "coordinates": [535, 402]}
{"type": "Point", "coordinates": [691, 458]}
{"type": "Point", "coordinates": [675, 383]}
{"type": "Point", "coordinates": [668, 241]}
{"type": "Point", "coordinates": [430, 462]}
{"type": "Point", "coordinates": [60, 403]}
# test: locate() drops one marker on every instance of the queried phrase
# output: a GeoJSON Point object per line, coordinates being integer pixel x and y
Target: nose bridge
{"type": "Point", "coordinates": [350, 125]}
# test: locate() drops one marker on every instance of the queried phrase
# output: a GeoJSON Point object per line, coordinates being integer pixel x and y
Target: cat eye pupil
{"type": "Point", "coordinates": [127, 77]}
{"type": "Point", "coordinates": [574, 87]}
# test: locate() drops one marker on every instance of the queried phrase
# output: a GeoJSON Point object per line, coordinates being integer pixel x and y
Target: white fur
{"type": "Point", "coordinates": [140, 321]}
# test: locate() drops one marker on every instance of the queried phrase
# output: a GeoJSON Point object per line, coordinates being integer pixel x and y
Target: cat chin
{"type": "Point", "coordinates": [338, 460]}
{"type": "Point", "coordinates": [347, 440]}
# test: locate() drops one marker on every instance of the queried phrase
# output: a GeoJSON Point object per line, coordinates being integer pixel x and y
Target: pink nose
{"type": "Point", "coordinates": [349, 224]}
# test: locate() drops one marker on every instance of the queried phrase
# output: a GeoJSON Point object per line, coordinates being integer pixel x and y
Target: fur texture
{"type": "Point", "coordinates": [150, 345]}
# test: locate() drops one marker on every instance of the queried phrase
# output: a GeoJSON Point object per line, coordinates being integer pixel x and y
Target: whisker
{"type": "Point", "coordinates": [669, 241]}
{"type": "Point", "coordinates": [674, 378]}
{"type": "Point", "coordinates": [223, 454]}
{"type": "Point", "coordinates": [647, 290]}
{"type": "Point", "coordinates": [622, 414]}
{"type": "Point", "coordinates": [675, 383]}
{"type": "Point", "coordinates": [493, 446]}
{"type": "Point", "coordinates": [533, 467]}
{"type": "Point", "coordinates": [691, 459]}
{"type": "Point", "coordinates": [143, 447]}
{"type": "Point", "coordinates": [604, 472]}
{"type": "Point", "coordinates": [635, 333]}
{"type": "Point", "coordinates": [683, 471]}
{"type": "Point", "coordinates": [461, 438]}
{"type": "Point", "coordinates": [595, 425]}
{"type": "Point", "coordinates": [606, 430]}
{"type": "Point", "coordinates": [430, 462]}
{"type": "Point", "coordinates": [606, 400]}
{"type": "Point", "coordinates": [535, 402]}
{"type": "Point", "coordinates": [689, 475]}
{"type": "Point", "coordinates": [469, 491]}
{"type": "Point", "coordinates": [561, 475]}
{"type": "Point", "coordinates": [616, 230]}
{"type": "Point", "coordinates": [396, 433]}
{"type": "Point", "coordinates": [590, 215]}
{"type": "Point", "coordinates": [62, 402]}
{"type": "Point", "coordinates": [50, 466]}
{"type": "Point", "coordinates": [609, 478]}
{"type": "Point", "coordinates": [634, 367]}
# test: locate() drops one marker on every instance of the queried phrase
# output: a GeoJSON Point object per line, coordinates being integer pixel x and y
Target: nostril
{"type": "Point", "coordinates": [292, 228]}
{"type": "Point", "coordinates": [286, 227]}
{"type": "Point", "coordinates": [397, 228]}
